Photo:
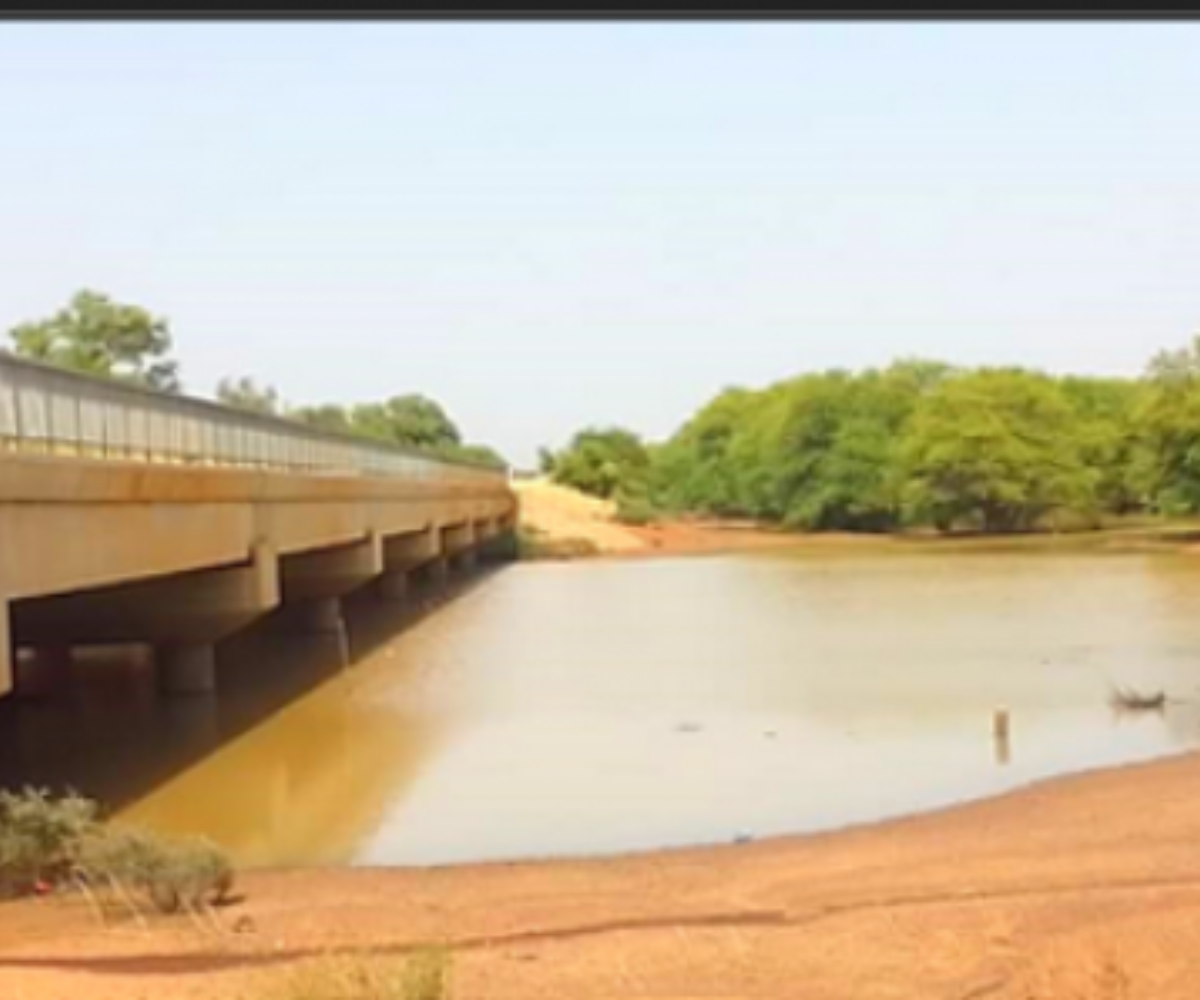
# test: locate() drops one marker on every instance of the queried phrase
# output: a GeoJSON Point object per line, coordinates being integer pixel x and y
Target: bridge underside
{"type": "Point", "coordinates": [182, 556]}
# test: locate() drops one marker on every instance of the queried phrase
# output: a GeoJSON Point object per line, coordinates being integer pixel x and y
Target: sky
{"type": "Point", "coordinates": [546, 226]}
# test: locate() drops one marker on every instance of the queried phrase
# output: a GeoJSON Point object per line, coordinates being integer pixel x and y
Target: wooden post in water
{"type": "Point", "coordinates": [1000, 731]}
{"type": "Point", "coordinates": [1000, 723]}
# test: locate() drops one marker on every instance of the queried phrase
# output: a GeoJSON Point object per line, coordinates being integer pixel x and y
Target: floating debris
{"type": "Point", "coordinates": [1129, 700]}
{"type": "Point", "coordinates": [689, 727]}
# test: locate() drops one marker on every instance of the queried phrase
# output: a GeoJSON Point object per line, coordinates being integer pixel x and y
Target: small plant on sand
{"type": "Point", "coordinates": [39, 837]}
{"type": "Point", "coordinates": [170, 873]}
{"type": "Point", "coordinates": [47, 842]}
{"type": "Point", "coordinates": [533, 544]}
{"type": "Point", "coordinates": [424, 975]}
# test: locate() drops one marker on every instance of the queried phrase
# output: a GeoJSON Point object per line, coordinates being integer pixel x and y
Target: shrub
{"type": "Point", "coordinates": [636, 510]}
{"type": "Point", "coordinates": [533, 544]}
{"type": "Point", "coordinates": [39, 837]}
{"type": "Point", "coordinates": [171, 873]}
{"type": "Point", "coordinates": [45, 840]}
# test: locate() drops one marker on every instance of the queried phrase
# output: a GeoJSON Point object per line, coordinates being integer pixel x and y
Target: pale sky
{"type": "Point", "coordinates": [545, 225]}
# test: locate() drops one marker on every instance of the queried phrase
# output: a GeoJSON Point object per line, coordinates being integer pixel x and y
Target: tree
{"type": "Point", "coordinates": [695, 470]}
{"type": "Point", "coordinates": [479, 453]}
{"type": "Point", "coordinates": [998, 448]}
{"type": "Point", "coordinates": [412, 420]}
{"type": "Point", "coordinates": [244, 394]}
{"type": "Point", "coordinates": [327, 417]}
{"type": "Point", "coordinates": [1169, 417]}
{"type": "Point", "coordinates": [601, 461]}
{"type": "Point", "coordinates": [545, 461]}
{"type": "Point", "coordinates": [96, 335]}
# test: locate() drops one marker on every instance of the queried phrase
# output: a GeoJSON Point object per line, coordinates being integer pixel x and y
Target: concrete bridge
{"type": "Point", "coordinates": [128, 515]}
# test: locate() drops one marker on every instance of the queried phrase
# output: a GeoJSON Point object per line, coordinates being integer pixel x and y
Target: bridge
{"type": "Point", "coordinates": [129, 515]}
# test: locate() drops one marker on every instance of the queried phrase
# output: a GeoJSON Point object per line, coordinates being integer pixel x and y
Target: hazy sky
{"type": "Point", "coordinates": [549, 225]}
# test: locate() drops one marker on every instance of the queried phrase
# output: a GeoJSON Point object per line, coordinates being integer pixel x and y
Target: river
{"type": "Point", "coordinates": [592, 707]}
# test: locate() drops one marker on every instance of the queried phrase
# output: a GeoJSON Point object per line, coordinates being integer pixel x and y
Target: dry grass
{"type": "Point", "coordinates": [423, 975]}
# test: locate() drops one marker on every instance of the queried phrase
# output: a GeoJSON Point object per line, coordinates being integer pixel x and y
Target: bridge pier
{"type": "Point", "coordinates": [188, 669]}
{"type": "Point", "coordinates": [394, 586]}
{"type": "Point", "coordinates": [437, 572]}
{"type": "Point", "coordinates": [403, 556]}
{"type": "Point", "coordinates": [321, 616]}
{"type": "Point", "coordinates": [44, 673]}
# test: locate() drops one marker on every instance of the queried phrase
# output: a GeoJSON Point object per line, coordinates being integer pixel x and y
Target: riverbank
{"type": "Point", "coordinates": [561, 523]}
{"type": "Point", "coordinates": [1084, 887]}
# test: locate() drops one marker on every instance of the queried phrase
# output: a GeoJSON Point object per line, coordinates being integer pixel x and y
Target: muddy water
{"type": "Point", "coordinates": [598, 707]}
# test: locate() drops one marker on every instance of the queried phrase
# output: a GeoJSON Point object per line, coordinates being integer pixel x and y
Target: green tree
{"type": "Point", "coordinates": [695, 469]}
{"type": "Point", "coordinates": [1168, 415]}
{"type": "Point", "coordinates": [245, 394]}
{"type": "Point", "coordinates": [412, 420]}
{"type": "Point", "coordinates": [997, 449]}
{"type": "Point", "coordinates": [327, 417]}
{"type": "Point", "coordinates": [1110, 438]}
{"type": "Point", "coordinates": [480, 453]}
{"type": "Point", "coordinates": [601, 461]}
{"type": "Point", "coordinates": [96, 335]}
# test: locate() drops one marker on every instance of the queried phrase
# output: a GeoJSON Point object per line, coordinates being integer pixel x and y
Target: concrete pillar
{"type": "Point", "coordinates": [6, 651]}
{"type": "Point", "coordinates": [44, 672]}
{"type": "Point", "coordinates": [393, 587]}
{"type": "Point", "coordinates": [188, 669]}
{"type": "Point", "coordinates": [194, 721]}
{"type": "Point", "coordinates": [438, 571]}
{"type": "Point", "coordinates": [320, 617]}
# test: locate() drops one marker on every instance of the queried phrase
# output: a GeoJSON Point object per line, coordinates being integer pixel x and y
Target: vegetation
{"type": "Point", "coordinates": [410, 421]}
{"type": "Point", "coordinates": [245, 394]}
{"type": "Point", "coordinates": [916, 445]}
{"type": "Point", "coordinates": [532, 544]}
{"type": "Point", "coordinates": [47, 843]}
{"type": "Point", "coordinates": [600, 461]}
{"type": "Point", "coordinates": [424, 975]}
{"type": "Point", "coordinates": [96, 335]}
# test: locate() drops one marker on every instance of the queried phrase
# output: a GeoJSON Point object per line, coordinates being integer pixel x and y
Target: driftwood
{"type": "Point", "coordinates": [1126, 699]}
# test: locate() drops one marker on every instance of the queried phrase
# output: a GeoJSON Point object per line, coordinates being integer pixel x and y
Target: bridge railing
{"type": "Point", "coordinates": [52, 411]}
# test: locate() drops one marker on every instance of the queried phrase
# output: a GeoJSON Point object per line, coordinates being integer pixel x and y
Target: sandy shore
{"type": "Point", "coordinates": [566, 517]}
{"type": "Point", "coordinates": [1081, 888]}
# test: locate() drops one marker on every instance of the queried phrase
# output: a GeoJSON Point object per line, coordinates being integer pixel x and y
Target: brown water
{"type": "Point", "coordinates": [595, 707]}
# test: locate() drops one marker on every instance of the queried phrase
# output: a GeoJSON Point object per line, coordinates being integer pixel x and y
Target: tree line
{"type": "Point", "coordinates": [918, 444]}
{"type": "Point", "coordinates": [98, 336]}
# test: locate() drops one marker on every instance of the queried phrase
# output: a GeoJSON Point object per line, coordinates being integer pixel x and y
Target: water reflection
{"type": "Point", "coordinates": [594, 707]}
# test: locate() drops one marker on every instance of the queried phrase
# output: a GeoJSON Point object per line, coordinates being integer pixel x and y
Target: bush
{"type": "Point", "coordinates": [532, 544]}
{"type": "Point", "coordinates": [39, 837]}
{"type": "Point", "coordinates": [636, 510]}
{"type": "Point", "coordinates": [48, 841]}
{"type": "Point", "coordinates": [170, 873]}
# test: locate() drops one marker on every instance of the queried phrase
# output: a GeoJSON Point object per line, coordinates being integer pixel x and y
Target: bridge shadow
{"type": "Point", "coordinates": [114, 738]}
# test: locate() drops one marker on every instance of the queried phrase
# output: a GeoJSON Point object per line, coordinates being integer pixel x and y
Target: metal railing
{"type": "Point", "coordinates": [52, 411]}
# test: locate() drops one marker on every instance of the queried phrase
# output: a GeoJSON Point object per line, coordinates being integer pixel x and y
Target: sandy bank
{"type": "Point", "coordinates": [1085, 887]}
{"type": "Point", "coordinates": [576, 523]}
